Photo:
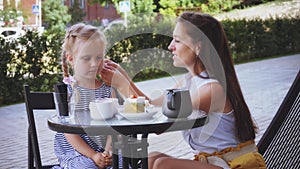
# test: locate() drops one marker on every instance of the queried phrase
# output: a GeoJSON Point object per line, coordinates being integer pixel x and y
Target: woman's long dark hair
{"type": "Point", "coordinates": [216, 59]}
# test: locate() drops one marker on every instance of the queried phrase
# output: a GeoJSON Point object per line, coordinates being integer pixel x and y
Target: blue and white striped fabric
{"type": "Point", "coordinates": [67, 156]}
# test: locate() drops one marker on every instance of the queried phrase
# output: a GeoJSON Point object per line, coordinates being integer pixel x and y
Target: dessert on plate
{"type": "Point", "coordinates": [135, 104]}
{"type": "Point", "coordinates": [137, 108]}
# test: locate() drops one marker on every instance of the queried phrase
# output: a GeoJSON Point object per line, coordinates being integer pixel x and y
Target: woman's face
{"type": "Point", "coordinates": [182, 48]}
{"type": "Point", "coordinates": [87, 59]}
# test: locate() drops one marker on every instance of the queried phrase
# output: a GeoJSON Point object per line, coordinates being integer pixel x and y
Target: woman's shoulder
{"type": "Point", "coordinates": [200, 81]}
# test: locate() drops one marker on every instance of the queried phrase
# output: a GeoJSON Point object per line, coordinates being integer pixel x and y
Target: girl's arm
{"type": "Point", "coordinates": [108, 151]}
{"type": "Point", "coordinates": [108, 146]}
{"type": "Point", "coordinates": [82, 147]}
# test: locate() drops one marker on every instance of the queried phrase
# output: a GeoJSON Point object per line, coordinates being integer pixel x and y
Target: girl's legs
{"type": "Point", "coordinates": [80, 162]}
{"type": "Point", "coordinates": [162, 161]}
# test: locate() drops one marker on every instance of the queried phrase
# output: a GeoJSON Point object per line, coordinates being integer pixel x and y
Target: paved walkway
{"type": "Point", "coordinates": [264, 84]}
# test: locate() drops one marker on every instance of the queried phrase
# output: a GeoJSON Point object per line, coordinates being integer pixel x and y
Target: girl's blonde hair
{"type": "Point", "coordinates": [83, 32]}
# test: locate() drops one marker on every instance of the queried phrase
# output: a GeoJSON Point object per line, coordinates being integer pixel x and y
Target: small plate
{"type": "Point", "coordinates": [139, 116]}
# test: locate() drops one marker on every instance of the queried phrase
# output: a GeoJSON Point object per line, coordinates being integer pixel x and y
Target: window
{"type": "Point", "coordinates": [71, 3]}
{"type": "Point", "coordinates": [106, 6]}
{"type": "Point", "coordinates": [82, 4]}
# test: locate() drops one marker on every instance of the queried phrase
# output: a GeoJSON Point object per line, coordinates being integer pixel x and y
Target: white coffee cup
{"type": "Point", "coordinates": [102, 109]}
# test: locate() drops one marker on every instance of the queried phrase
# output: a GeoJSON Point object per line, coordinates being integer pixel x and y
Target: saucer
{"type": "Point", "coordinates": [148, 114]}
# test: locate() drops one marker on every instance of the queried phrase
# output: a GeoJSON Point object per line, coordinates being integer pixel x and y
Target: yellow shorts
{"type": "Point", "coordinates": [244, 156]}
{"type": "Point", "coordinates": [252, 160]}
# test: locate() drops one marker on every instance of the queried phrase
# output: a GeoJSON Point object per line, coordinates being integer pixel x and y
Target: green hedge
{"type": "Point", "coordinates": [255, 39]}
{"type": "Point", "coordinates": [32, 59]}
{"type": "Point", "coordinates": [140, 48]}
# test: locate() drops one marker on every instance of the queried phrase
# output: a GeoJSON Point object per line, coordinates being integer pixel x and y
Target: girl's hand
{"type": "Point", "coordinates": [102, 160]}
{"type": "Point", "coordinates": [108, 158]}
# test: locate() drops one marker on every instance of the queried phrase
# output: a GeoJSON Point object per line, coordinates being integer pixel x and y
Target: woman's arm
{"type": "Point", "coordinates": [211, 98]}
{"type": "Point", "coordinates": [114, 75]}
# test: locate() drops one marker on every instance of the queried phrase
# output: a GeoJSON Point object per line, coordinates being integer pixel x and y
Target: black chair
{"type": "Point", "coordinates": [280, 143]}
{"type": "Point", "coordinates": [36, 100]}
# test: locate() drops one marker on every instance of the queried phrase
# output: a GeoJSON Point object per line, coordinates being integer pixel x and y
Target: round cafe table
{"type": "Point", "coordinates": [129, 134]}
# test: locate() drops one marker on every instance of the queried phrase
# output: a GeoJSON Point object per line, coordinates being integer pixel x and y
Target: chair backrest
{"type": "Point", "coordinates": [33, 101]}
{"type": "Point", "coordinates": [280, 143]}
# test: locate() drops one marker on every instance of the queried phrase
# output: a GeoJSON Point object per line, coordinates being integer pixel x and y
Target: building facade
{"type": "Point", "coordinates": [93, 12]}
{"type": "Point", "coordinates": [96, 11]}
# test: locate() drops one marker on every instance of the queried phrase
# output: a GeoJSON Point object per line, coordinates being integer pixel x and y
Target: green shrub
{"type": "Point", "coordinates": [257, 38]}
{"type": "Point", "coordinates": [31, 59]}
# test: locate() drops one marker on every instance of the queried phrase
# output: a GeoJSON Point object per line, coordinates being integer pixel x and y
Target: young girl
{"type": "Point", "coordinates": [83, 50]}
{"type": "Point", "coordinates": [227, 140]}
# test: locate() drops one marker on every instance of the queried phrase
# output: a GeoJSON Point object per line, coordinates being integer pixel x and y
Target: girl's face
{"type": "Point", "coordinates": [87, 59]}
{"type": "Point", "coordinates": [182, 48]}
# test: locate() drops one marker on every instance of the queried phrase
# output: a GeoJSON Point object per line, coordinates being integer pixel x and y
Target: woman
{"type": "Point", "coordinates": [227, 141]}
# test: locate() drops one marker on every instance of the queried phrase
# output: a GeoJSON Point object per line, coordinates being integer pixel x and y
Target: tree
{"type": "Point", "coordinates": [101, 2]}
{"type": "Point", "coordinates": [137, 6]}
{"type": "Point", "coordinates": [76, 13]}
{"type": "Point", "coordinates": [12, 4]}
{"type": "Point", "coordinates": [9, 14]}
{"type": "Point", "coordinates": [55, 16]}
{"type": "Point", "coordinates": [172, 8]}
{"type": "Point", "coordinates": [5, 5]}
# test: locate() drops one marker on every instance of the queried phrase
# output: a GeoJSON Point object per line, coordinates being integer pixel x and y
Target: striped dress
{"type": "Point", "coordinates": [67, 156]}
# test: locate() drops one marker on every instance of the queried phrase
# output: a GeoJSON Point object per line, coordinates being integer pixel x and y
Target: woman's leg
{"type": "Point", "coordinates": [152, 157]}
{"type": "Point", "coordinates": [168, 162]}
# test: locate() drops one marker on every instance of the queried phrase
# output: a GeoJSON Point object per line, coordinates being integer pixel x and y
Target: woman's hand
{"type": "Point", "coordinates": [102, 160]}
{"type": "Point", "coordinates": [114, 75]}
{"type": "Point", "coordinates": [112, 65]}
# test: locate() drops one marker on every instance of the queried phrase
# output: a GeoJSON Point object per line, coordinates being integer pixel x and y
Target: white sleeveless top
{"type": "Point", "coordinates": [219, 131]}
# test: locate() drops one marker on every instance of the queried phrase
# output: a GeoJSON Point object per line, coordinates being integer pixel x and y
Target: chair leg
{"type": "Point", "coordinates": [34, 159]}
{"type": "Point", "coordinates": [36, 153]}
{"type": "Point", "coordinates": [30, 151]}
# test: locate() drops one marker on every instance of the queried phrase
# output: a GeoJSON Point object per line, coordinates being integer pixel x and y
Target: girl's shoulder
{"type": "Point", "coordinates": [105, 86]}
